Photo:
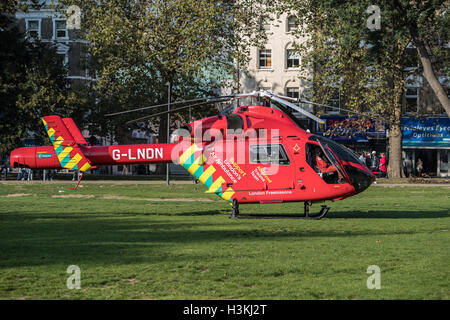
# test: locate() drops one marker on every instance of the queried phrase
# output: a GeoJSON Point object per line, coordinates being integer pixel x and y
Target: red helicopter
{"type": "Point", "coordinates": [256, 154]}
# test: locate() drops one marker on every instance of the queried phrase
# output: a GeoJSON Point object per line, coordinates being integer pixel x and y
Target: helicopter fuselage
{"type": "Point", "coordinates": [255, 155]}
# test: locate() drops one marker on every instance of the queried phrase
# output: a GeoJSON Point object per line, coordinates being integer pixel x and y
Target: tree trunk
{"type": "Point", "coordinates": [395, 152]}
{"type": "Point", "coordinates": [395, 165]}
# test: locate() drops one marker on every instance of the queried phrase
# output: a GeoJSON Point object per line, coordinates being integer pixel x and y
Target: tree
{"type": "Point", "coordinates": [137, 47]}
{"type": "Point", "coordinates": [428, 25]}
{"type": "Point", "coordinates": [365, 65]}
{"type": "Point", "coordinates": [32, 84]}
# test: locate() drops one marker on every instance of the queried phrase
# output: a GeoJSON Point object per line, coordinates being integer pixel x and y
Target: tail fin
{"type": "Point", "coordinates": [66, 139]}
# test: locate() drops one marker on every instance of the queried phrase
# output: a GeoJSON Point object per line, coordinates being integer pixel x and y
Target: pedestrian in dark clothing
{"type": "Point", "coordinates": [4, 169]}
{"type": "Point", "coordinates": [374, 162]}
{"type": "Point", "coordinates": [20, 174]}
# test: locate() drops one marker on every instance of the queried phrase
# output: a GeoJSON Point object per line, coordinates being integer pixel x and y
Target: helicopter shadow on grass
{"type": "Point", "coordinates": [356, 214]}
{"type": "Point", "coordinates": [371, 214]}
{"type": "Point", "coordinates": [374, 214]}
{"type": "Point", "coordinates": [186, 214]}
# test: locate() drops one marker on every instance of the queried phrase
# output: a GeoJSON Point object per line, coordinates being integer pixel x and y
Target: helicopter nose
{"type": "Point", "coordinates": [360, 177]}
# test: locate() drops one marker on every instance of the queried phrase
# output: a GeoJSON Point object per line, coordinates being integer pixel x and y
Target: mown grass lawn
{"type": "Point", "coordinates": [131, 245]}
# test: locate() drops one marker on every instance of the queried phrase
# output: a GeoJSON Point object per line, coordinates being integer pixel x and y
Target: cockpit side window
{"type": "Point", "coordinates": [317, 160]}
{"type": "Point", "coordinates": [342, 152]}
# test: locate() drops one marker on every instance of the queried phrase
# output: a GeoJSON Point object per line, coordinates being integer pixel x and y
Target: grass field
{"type": "Point", "coordinates": [158, 242]}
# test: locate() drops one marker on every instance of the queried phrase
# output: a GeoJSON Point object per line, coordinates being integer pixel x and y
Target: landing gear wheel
{"type": "Point", "coordinates": [235, 213]}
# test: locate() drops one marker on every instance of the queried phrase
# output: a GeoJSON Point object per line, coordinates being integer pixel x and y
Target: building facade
{"type": "Point", "coordinates": [275, 67]}
{"type": "Point", "coordinates": [41, 22]}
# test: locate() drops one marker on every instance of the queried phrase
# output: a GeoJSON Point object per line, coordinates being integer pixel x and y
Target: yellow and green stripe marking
{"type": "Point", "coordinates": [63, 153]}
{"type": "Point", "coordinates": [197, 168]}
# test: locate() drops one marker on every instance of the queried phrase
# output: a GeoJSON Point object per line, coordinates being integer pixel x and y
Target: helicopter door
{"type": "Point", "coordinates": [334, 160]}
{"type": "Point", "coordinates": [269, 166]}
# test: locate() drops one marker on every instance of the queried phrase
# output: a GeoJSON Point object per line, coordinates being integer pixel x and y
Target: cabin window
{"type": "Point", "coordinates": [268, 154]}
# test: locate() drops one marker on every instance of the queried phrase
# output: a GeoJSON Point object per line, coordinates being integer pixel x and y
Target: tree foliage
{"type": "Point", "coordinates": [32, 84]}
{"type": "Point", "coordinates": [137, 47]}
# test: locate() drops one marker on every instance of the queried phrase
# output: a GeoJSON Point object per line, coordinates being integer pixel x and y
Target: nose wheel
{"type": "Point", "coordinates": [322, 213]}
{"type": "Point", "coordinates": [235, 207]}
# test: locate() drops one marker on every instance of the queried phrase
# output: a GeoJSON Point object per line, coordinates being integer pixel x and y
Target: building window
{"type": "Point", "coordinates": [265, 59]}
{"type": "Point", "coordinates": [60, 29]}
{"type": "Point", "coordinates": [293, 93]}
{"type": "Point", "coordinates": [411, 58]}
{"type": "Point", "coordinates": [412, 99]}
{"type": "Point", "coordinates": [292, 24]}
{"type": "Point", "coordinates": [293, 59]}
{"type": "Point", "coordinates": [264, 24]}
{"type": "Point", "coordinates": [33, 28]}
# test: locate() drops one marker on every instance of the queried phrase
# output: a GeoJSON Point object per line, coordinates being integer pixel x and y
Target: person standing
{"type": "Point", "coordinates": [419, 167]}
{"type": "Point", "coordinates": [362, 159]}
{"type": "Point", "coordinates": [383, 166]}
{"type": "Point", "coordinates": [374, 162]}
{"type": "Point", "coordinates": [4, 169]}
{"type": "Point", "coordinates": [408, 167]}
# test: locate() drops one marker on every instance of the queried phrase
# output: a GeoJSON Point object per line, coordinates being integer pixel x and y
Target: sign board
{"type": "Point", "coordinates": [432, 132]}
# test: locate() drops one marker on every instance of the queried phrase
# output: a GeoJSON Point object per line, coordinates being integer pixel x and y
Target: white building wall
{"type": "Point", "coordinates": [278, 77]}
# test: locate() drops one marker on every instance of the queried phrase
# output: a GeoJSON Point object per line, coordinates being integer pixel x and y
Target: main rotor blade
{"type": "Point", "coordinates": [165, 104]}
{"type": "Point", "coordinates": [277, 98]}
{"type": "Point", "coordinates": [297, 108]}
{"type": "Point", "coordinates": [177, 109]}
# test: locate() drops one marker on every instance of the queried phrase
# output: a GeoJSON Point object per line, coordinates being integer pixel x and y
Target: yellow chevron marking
{"type": "Point", "coordinates": [228, 194]}
{"type": "Point", "coordinates": [64, 153]}
{"type": "Point", "coordinates": [188, 153]}
{"type": "Point", "coordinates": [45, 122]}
{"type": "Point", "coordinates": [51, 132]}
{"type": "Point", "coordinates": [85, 167]}
{"type": "Point", "coordinates": [58, 142]}
{"type": "Point", "coordinates": [74, 161]}
{"type": "Point", "coordinates": [216, 185]}
{"type": "Point", "coordinates": [205, 175]}
{"type": "Point", "coordinates": [197, 163]}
